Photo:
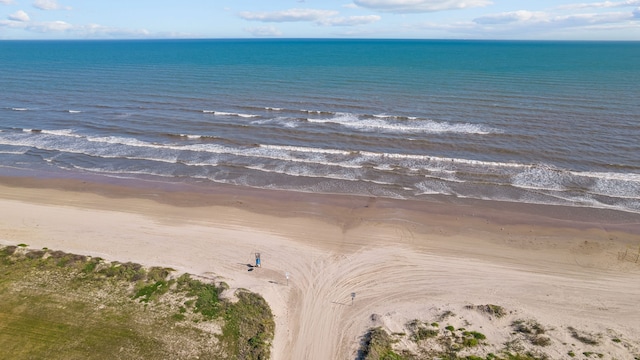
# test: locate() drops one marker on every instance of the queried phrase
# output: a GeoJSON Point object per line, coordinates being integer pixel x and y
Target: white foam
{"type": "Point", "coordinates": [306, 149]}
{"type": "Point", "coordinates": [286, 122]}
{"type": "Point", "coordinates": [121, 172]}
{"type": "Point", "coordinates": [385, 116]}
{"type": "Point", "coordinates": [382, 123]}
{"type": "Point", "coordinates": [433, 188]}
{"type": "Point", "coordinates": [19, 109]}
{"type": "Point", "coordinates": [61, 132]}
{"type": "Point", "coordinates": [222, 113]}
{"type": "Point", "coordinates": [74, 111]}
{"type": "Point", "coordinates": [540, 178]}
{"type": "Point", "coordinates": [609, 175]}
{"type": "Point", "coordinates": [300, 172]}
{"type": "Point", "coordinates": [428, 158]}
{"type": "Point", "coordinates": [15, 152]}
{"type": "Point", "coordinates": [124, 141]}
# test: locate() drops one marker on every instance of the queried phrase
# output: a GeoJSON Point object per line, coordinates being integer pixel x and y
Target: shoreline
{"type": "Point", "coordinates": [270, 201]}
{"type": "Point", "coordinates": [401, 257]}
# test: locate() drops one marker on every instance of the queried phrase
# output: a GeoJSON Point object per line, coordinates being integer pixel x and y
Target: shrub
{"type": "Point", "coordinates": [470, 342]}
{"type": "Point", "coordinates": [376, 345]}
{"type": "Point", "coordinates": [541, 341]}
{"type": "Point", "coordinates": [158, 273]}
{"type": "Point", "coordinates": [494, 310]}
{"type": "Point", "coordinates": [424, 333]}
{"type": "Point", "coordinates": [150, 291]}
{"type": "Point", "coordinates": [582, 337]}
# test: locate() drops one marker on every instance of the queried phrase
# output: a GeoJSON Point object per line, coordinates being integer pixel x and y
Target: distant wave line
{"type": "Point", "coordinates": [424, 126]}
{"type": "Point", "coordinates": [222, 113]}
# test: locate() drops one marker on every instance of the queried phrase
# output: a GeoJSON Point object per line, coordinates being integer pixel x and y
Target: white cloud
{"type": "Point", "coordinates": [7, 2]}
{"type": "Point", "coordinates": [49, 26]}
{"type": "Point", "coordinates": [288, 15]}
{"type": "Point", "coordinates": [605, 4]}
{"type": "Point", "coordinates": [49, 5]}
{"type": "Point", "coordinates": [350, 21]}
{"type": "Point", "coordinates": [519, 16]}
{"type": "Point", "coordinates": [598, 23]}
{"type": "Point", "coordinates": [94, 30]}
{"type": "Point", "coordinates": [264, 31]}
{"type": "Point", "coordinates": [591, 19]}
{"type": "Point", "coordinates": [525, 19]}
{"type": "Point", "coordinates": [320, 17]}
{"type": "Point", "coordinates": [54, 29]}
{"type": "Point", "coordinates": [552, 24]}
{"type": "Point", "coordinates": [419, 6]}
{"type": "Point", "coordinates": [19, 16]}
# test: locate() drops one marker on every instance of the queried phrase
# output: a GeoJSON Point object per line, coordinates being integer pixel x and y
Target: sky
{"type": "Point", "coordinates": [406, 19]}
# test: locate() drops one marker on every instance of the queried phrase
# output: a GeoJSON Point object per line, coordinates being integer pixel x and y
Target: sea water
{"type": "Point", "coordinates": [534, 122]}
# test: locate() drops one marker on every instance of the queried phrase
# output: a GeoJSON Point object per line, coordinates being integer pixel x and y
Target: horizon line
{"type": "Point", "coordinates": [318, 38]}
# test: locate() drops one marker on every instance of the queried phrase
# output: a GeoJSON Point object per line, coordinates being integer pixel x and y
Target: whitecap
{"type": "Point", "coordinates": [387, 123]}
{"type": "Point", "coordinates": [223, 113]}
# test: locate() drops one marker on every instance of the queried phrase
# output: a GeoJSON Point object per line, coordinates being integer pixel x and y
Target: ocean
{"type": "Point", "coordinates": [530, 122]}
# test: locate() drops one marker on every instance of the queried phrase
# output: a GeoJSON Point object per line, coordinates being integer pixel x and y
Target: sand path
{"type": "Point", "coordinates": [394, 271]}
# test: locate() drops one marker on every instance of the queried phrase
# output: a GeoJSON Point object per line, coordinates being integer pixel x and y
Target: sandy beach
{"type": "Point", "coordinates": [564, 267]}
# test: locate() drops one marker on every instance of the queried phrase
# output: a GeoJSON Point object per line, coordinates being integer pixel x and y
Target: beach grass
{"type": "Point", "coordinates": [526, 339]}
{"type": "Point", "coordinates": [55, 305]}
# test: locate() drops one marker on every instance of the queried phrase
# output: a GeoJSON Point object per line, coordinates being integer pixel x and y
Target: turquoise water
{"type": "Point", "coordinates": [538, 122]}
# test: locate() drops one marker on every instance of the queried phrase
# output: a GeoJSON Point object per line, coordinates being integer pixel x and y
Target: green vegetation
{"type": "Point", "coordinates": [490, 309]}
{"type": "Point", "coordinates": [528, 327]}
{"type": "Point", "coordinates": [424, 333]}
{"type": "Point", "coordinates": [532, 331]}
{"type": "Point", "coordinates": [456, 339]}
{"type": "Point", "coordinates": [377, 345]}
{"type": "Point", "coordinates": [582, 337]}
{"type": "Point", "coordinates": [56, 305]}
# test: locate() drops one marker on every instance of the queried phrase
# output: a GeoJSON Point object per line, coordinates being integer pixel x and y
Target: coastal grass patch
{"type": "Point", "coordinates": [377, 344]}
{"type": "Point", "coordinates": [583, 337]}
{"type": "Point", "coordinates": [55, 305]}
{"type": "Point", "coordinates": [249, 327]}
{"type": "Point", "coordinates": [533, 331]}
{"type": "Point", "coordinates": [489, 309]}
{"type": "Point", "coordinates": [459, 339]}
